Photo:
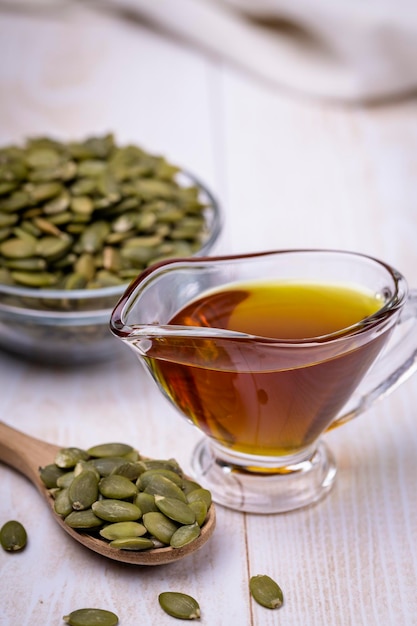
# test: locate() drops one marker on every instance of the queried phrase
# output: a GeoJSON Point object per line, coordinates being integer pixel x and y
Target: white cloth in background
{"type": "Point", "coordinates": [350, 50]}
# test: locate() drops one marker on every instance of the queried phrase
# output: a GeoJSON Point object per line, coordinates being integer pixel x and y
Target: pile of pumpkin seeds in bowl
{"type": "Point", "coordinates": [131, 502]}
{"type": "Point", "coordinates": [78, 221]}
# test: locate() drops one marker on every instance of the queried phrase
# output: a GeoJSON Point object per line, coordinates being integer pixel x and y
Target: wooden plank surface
{"type": "Point", "coordinates": [289, 173]}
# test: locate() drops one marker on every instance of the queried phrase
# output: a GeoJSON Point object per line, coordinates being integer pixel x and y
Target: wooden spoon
{"type": "Point", "coordinates": [26, 454]}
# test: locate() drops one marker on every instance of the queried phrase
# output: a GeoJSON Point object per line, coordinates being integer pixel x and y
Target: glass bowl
{"type": "Point", "coordinates": [69, 327]}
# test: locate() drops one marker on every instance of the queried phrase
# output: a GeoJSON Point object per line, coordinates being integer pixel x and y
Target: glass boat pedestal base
{"type": "Point", "coordinates": [257, 484]}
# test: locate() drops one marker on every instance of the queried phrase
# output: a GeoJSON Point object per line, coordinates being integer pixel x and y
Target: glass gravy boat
{"type": "Point", "coordinates": [208, 331]}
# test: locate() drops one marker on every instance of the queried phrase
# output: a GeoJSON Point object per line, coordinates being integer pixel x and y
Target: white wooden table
{"type": "Point", "coordinates": [289, 173]}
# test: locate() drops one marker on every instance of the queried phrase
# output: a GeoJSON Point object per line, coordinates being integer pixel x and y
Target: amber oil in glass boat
{"type": "Point", "coordinates": [247, 395]}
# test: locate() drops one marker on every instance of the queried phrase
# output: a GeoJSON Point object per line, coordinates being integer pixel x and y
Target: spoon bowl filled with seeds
{"type": "Point", "coordinates": [115, 502]}
{"type": "Point", "coordinates": [78, 221]}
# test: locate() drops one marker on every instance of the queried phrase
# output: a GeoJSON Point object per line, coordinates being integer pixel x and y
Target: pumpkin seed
{"type": "Point", "coordinates": [63, 503]}
{"type": "Point", "coordinates": [189, 485]}
{"type": "Point", "coordinates": [158, 525]}
{"type": "Point", "coordinates": [18, 248]}
{"type": "Point", "coordinates": [175, 509]}
{"type": "Point", "coordinates": [179, 605]}
{"type": "Point", "coordinates": [130, 469]}
{"type": "Point", "coordinates": [13, 536]}
{"type": "Point", "coordinates": [116, 510]}
{"type": "Point", "coordinates": [69, 457]}
{"type": "Point", "coordinates": [123, 530]}
{"type": "Point", "coordinates": [185, 535]}
{"type": "Point", "coordinates": [85, 466]}
{"type": "Point", "coordinates": [200, 511]}
{"type": "Point", "coordinates": [107, 493]}
{"type": "Point", "coordinates": [83, 520]}
{"type": "Point", "coordinates": [266, 591]}
{"type": "Point", "coordinates": [146, 477]}
{"type": "Point", "coordinates": [162, 486]}
{"type": "Point", "coordinates": [117, 487]}
{"type": "Point", "coordinates": [132, 543]}
{"type": "Point", "coordinates": [82, 204]}
{"type": "Point", "coordinates": [34, 279]}
{"type": "Point", "coordinates": [200, 494]}
{"type": "Point", "coordinates": [28, 264]}
{"type": "Point", "coordinates": [107, 465]}
{"type": "Point", "coordinates": [170, 464]}
{"type": "Point", "coordinates": [109, 449]}
{"type": "Point", "coordinates": [91, 617]}
{"type": "Point", "coordinates": [65, 480]}
{"type": "Point", "coordinates": [49, 474]}
{"type": "Point", "coordinates": [43, 191]}
{"type": "Point", "coordinates": [119, 196]}
{"type": "Point", "coordinates": [83, 491]}
{"type": "Point", "coordinates": [146, 502]}
{"type": "Point", "coordinates": [50, 247]}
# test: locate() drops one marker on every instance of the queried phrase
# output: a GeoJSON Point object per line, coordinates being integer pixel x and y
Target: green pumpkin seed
{"type": "Point", "coordinates": [18, 248]}
{"type": "Point", "coordinates": [132, 543]}
{"type": "Point", "coordinates": [74, 281]}
{"type": "Point", "coordinates": [21, 233]}
{"type": "Point", "coordinates": [47, 226]}
{"type": "Point", "coordinates": [62, 503]}
{"type": "Point", "coordinates": [146, 477]}
{"type": "Point", "coordinates": [189, 485]}
{"type": "Point", "coordinates": [117, 487]}
{"type": "Point", "coordinates": [83, 520]}
{"type": "Point", "coordinates": [162, 486]}
{"type": "Point", "coordinates": [107, 465]}
{"type": "Point", "coordinates": [53, 248]}
{"type": "Point", "coordinates": [85, 266]}
{"type": "Point", "coordinates": [65, 480]}
{"type": "Point", "coordinates": [131, 470]}
{"type": "Point", "coordinates": [145, 502]}
{"type": "Point", "coordinates": [123, 530]}
{"type": "Point", "coordinates": [13, 536]}
{"type": "Point", "coordinates": [85, 466]}
{"type": "Point", "coordinates": [185, 535]}
{"type": "Point", "coordinates": [69, 457]}
{"type": "Point", "coordinates": [158, 525]}
{"type": "Point", "coordinates": [200, 494]}
{"type": "Point", "coordinates": [175, 509]}
{"type": "Point", "coordinates": [170, 464]}
{"type": "Point", "coordinates": [200, 511]}
{"type": "Point", "coordinates": [29, 264]}
{"type": "Point", "coordinates": [116, 510]}
{"type": "Point", "coordinates": [42, 157]}
{"type": "Point", "coordinates": [35, 279]}
{"type": "Point", "coordinates": [93, 237]}
{"type": "Point", "coordinates": [266, 591]}
{"type": "Point", "coordinates": [8, 219]}
{"type": "Point", "coordinates": [44, 191]}
{"type": "Point", "coordinates": [49, 475]}
{"type": "Point", "coordinates": [82, 204]}
{"type": "Point", "coordinates": [91, 617]}
{"type": "Point", "coordinates": [110, 449]}
{"type": "Point", "coordinates": [58, 204]}
{"type": "Point", "coordinates": [179, 605]}
{"type": "Point", "coordinates": [124, 197]}
{"type": "Point", "coordinates": [89, 491]}
{"type": "Point", "coordinates": [83, 491]}
{"type": "Point", "coordinates": [16, 201]}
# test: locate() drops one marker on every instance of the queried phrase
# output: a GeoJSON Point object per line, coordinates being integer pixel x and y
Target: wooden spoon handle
{"type": "Point", "coordinates": [25, 453]}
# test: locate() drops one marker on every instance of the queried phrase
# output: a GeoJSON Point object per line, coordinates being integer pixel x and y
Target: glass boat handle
{"type": "Point", "coordinates": [394, 366]}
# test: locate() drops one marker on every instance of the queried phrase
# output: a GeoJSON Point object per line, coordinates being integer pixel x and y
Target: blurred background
{"type": "Point", "coordinates": [310, 139]}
